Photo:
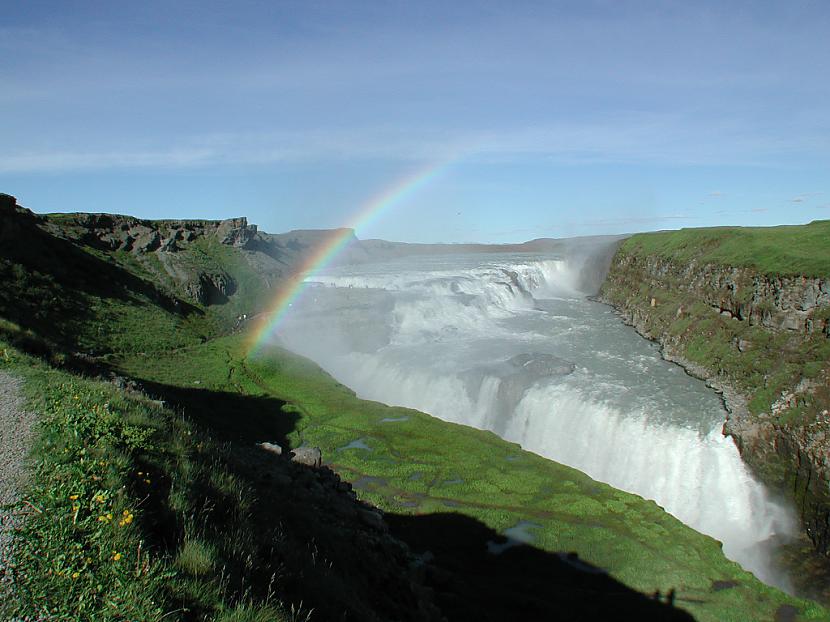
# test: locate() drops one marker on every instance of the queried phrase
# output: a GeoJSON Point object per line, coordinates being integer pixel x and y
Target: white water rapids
{"type": "Point", "coordinates": [510, 343]}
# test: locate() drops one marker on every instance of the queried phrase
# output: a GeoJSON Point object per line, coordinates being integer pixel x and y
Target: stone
{"type": "Point", "coordinates": [271, 447]}
{"type": "Point", "coordinates": [309, 456]}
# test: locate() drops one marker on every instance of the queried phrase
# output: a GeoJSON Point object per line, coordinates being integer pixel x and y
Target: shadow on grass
{"type": "Point", "coordinates": [334, 557]}
{"type": "Point", "coordinates": [520, 581]}
{"type": "Point", "coordinates": [242, 420]}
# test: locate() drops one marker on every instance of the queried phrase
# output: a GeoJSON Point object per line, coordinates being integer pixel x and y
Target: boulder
{"type": "Point", "coordinates": [271, 447]}
{"type": "Point", "coordinates": [309, 456]}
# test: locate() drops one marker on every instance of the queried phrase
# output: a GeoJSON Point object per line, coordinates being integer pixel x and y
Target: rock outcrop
{"type": "Point", "coordinates": [113, 232]}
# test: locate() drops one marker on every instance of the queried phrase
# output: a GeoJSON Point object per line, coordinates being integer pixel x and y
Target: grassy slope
{"type": "Point", "coordinates": [78, 299]}
{"type": "Point", "coordinates": [784, 250]}
{"type": "Point", "coordinates": [131, 514]}
{"type": "Point", "coordinates": [419, 465]}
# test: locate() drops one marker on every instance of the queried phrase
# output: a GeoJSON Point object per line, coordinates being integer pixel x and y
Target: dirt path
{"type": "Point", "coordinates": [15, 435]}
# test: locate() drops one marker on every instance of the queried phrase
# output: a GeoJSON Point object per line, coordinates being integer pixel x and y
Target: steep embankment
{"type": "Point", "coordinates": [748, 310]}
{"type": "Point", "coordinates": [150, 500]}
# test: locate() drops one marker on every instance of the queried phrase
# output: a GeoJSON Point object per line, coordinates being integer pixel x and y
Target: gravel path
{"type": "Point", "coordinates": [16, 427]}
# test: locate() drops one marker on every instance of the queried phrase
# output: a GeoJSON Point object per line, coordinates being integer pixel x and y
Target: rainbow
{"type": "Point", "coordinates": [295, 287]}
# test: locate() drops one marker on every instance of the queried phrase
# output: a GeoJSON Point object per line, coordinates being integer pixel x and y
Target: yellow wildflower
{"type": "Point", "coordinates": [73, 497]}
{"type": "Point", "coordinates": [116, 556]}
{"type": "Point", "coordinates": [100, 498]}
{"type": "Point", "coordinates": [75, 575]}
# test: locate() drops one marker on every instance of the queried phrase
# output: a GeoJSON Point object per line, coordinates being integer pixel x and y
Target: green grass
{"type": "Point", "coordinates": [119, 487]}
{"type": "Point", "coordinates": [784, 250]}
{"type": "Point", "coordinates": [413, 467]}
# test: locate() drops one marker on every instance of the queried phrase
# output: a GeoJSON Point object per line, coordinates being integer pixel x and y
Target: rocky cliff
{"type": "Point", "coordinates": [203, 261]}
{"type": "Point", "coordinates": [758, 336]}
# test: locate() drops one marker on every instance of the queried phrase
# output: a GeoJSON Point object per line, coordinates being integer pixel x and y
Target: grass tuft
{"type": "Point", "coordinates": [197, 558]}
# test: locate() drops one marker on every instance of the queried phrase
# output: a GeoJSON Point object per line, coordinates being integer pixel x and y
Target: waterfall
{"type": "Point", "coordinates": [511, 344]}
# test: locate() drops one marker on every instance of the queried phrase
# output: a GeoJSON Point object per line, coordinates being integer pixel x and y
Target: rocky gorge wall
{"type": "Point", "coordinates": [761, 340]}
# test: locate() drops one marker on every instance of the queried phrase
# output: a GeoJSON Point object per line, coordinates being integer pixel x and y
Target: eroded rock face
{"type": "Point", "coordinates": [114, 232]}
{"type": "Point", "coordinates": [210, 288]}
{"type": "Point", "coordinates": [774, 302]}
{"type": "Point", "coordinates": [236, 232]}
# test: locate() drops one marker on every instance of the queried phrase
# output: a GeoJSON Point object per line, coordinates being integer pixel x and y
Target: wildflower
{"type": "Point", "coordinates": [127, 518]}
{"type": "Point", "coordinates": [146, 481]}
{"type": "Point", "coordinates": [100, 498]}
{"type": "Point", "coordinates": [116, 556]}
{"type": "Point", "coordinates": [73, 497]}
{"type": "Point", "coordinates": [75, 575]}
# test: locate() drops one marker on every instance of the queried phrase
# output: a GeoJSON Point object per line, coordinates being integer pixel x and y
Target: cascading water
{"type": "Point", "coordinates": [510, 343]}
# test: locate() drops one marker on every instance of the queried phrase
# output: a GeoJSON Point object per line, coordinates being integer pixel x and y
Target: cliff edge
{"type": "Point", "coordinates": [747, 310]}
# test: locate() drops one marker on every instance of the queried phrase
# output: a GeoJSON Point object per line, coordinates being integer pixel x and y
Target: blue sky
{"type": "Point", "coordinates": [558, 118]}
